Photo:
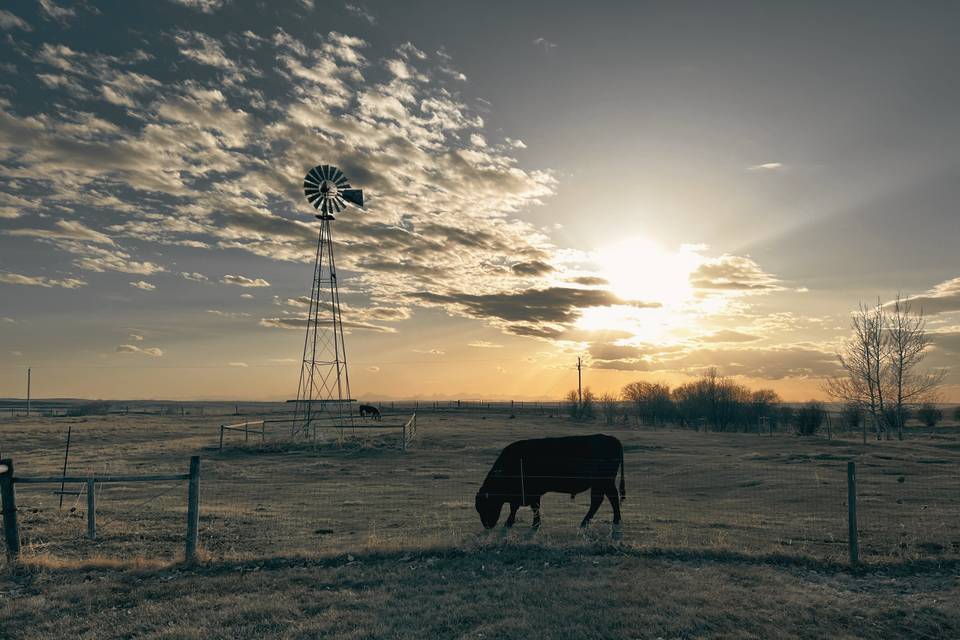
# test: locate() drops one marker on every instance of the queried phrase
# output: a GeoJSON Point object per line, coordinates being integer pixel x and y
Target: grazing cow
{"type": "Point", "coordinates": [369, 410]}
{"type": "Point", "coordinates": [527, 469]}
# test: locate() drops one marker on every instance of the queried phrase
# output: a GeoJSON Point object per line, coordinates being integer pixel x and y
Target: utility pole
{"type": "Point", "coordinates": [579, 383]}
{"type": "Point", "coordinates": [28, 392]}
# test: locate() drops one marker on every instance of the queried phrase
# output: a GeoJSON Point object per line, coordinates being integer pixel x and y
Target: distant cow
{"type": "Point", "coordinates": [369, 410]}
{"type": "Point", "coordinates": [527, 469]}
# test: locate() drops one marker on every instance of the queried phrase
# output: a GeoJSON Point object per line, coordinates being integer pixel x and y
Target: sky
{"type": "Point", "coordinates": [656, 187]}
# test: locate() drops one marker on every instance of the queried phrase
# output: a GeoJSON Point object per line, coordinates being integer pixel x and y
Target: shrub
{"type": "Point", "coordinates": [808, 418]}
{"type": "Point", "coordinates": [608, 405]}
{"type": "Point", "coordinates": [929, 414]}
{"type": "Point", "coordinates": [852, 415]}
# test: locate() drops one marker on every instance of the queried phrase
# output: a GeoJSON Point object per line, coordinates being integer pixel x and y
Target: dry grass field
{"type": "Point", "coordinates": [724, 535]}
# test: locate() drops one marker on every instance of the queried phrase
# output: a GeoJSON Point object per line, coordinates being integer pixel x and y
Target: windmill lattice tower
{"type": "Point", "coordinates": [323, 393]}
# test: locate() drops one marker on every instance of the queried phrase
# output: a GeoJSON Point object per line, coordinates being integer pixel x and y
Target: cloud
{"type": "Point", "coordinates": [300, 323]}
{"type": "Point", "coordinates": [373, 369]}
{"type": "Point", "coordinates": [767, 166]}
{"type": "Point", "coordinates": [143, 285]}
{"type": "Point", "coordinates": [432, 352]}
{"type": "Point", "coordinates": [544, 44]}
{"type": "Point", "coordinates": [68, 229]}
{"type": "Point", "coordinates": [484, 344]}
{"type": "Point", "coordinates": [247, 296]}
{"type": "Point", "coordinates": [238, 364]}
{"type": "Point", "coordinates": [771, 363]}
{"type": "Point", "coordinates": [7, 320]}
{"type": "Point", "coordinates": [360, 12]}
{"type": "Point", "coordinates": [41, 281]}
{"type": "Point", "coordinates": [52, 10]}
{"type": "Point", "coordinates": [147, 351]}
{"type": "Point", "coordinates": [556, 305]}
{"type": "Point", "coordinates": [203, 161]}
{"type": "Point", "coordinates": [243, 281]}
{"type": "Point", "coordinates": [194, 276]}
{"type": "Point", "coordinates": [727, 335]}
{"type": "Point", "coordinates": [228, 314]}
{"type": "Point", "coordinates": [732, 273]}
{"type": "Point", "coordinates": [533, 268]}
{"type": "Point", "coordinates": [203, 49]}
{"type": "Point", "coordinates": [204, 6]}
{"type": "Point", "coordinates": [589, 281]}
{"type": "Point", "coordinates": [136, 337]}
{"type": "Point", "coordinates": [9, 21]}
{"type": "Point", "coordinates": [942, 298]}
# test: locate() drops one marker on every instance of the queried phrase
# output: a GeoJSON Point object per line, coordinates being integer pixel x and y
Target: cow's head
{"type": "Point", "coordinates": [489, 507]}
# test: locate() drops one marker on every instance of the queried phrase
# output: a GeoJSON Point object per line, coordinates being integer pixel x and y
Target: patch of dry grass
{"type": "Point", "coordinates": [498, 590]}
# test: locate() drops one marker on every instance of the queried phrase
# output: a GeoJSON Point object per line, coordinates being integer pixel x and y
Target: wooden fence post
{"type": "Point", "coordinates": [852, 513]}
{"type": "Point", "coordinates": [11, 531]}
{"type": "Point", "coordinates": [91, 510]}
{"type": "Point", "coordinates": [193, 509]}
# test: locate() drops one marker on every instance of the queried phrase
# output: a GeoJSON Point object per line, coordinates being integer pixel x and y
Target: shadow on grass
{"type": "Point", "coordinates": [478, 551]}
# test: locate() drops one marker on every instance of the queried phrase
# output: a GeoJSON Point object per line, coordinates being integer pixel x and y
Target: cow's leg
{"type": "Point", "coordinates": [535, 505]}
{"type": "Point", "coordinates": [514, 505]}
{"type": "Point", "coordinates": [610, 489]}
{"type": "Point", "coordinates": [596, 499]}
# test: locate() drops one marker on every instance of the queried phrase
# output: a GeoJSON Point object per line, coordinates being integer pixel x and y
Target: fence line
{"type": "Point", "coordinates": [8, 496]}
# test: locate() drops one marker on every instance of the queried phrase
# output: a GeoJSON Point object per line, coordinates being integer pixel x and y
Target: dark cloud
{"type": "Point", "coordinates": [589, 281]}
{"type": "Point", "coordinates": [558, 305]}
{"type": "Point", "coordinates": [943, 298]}
{"type": "Point", "coordinates": [534, 268]}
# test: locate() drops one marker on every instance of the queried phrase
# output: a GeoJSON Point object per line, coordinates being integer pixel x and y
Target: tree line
{"type": "Point", "coordinates": [711, 401]}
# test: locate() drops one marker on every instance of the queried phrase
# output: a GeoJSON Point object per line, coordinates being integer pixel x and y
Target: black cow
{"type": "Point", "coordinates": [527, 469]}
{"type": "Point", "coordinates": [369, 410]}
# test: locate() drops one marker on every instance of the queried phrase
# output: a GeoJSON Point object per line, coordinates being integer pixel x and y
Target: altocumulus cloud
{"type": "Point", "coordinates": [41, 281]}
{"type": "Point", "coordinates": [147, 351]}
{"type": "Point", "coordinates": [243, 281]}
{"type": "Point", "coordinates": [174, 143]}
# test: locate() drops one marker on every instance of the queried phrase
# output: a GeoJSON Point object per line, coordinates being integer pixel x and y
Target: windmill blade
{"type": "Point", "coordinates": [325, 171]}
{"type": "Point", "coordinates": [353, 196]}
{"type": "Point", "coordinates": [335, 174]}
{"type": "Point", "coordinates": [343, 183]}
{"type": "Point", "coordinates": [315, 175]}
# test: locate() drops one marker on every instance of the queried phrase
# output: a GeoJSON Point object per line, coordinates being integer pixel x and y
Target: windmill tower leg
{"type": "Point", "coordinates": [323, 392]}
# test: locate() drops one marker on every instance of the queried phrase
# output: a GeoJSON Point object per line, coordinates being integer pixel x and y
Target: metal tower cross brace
{"type": "Point", "coordinates": [323, 394]}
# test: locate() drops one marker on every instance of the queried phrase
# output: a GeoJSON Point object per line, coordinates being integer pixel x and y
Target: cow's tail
{"type": "Point", "coordinates": [623, 474]}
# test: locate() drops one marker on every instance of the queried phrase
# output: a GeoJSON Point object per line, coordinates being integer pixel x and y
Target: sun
{"type": "Point", "coordinates": [640, 270]}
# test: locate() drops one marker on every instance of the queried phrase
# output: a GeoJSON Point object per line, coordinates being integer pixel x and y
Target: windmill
{"type": "Point", "coordinates": [323, 393]}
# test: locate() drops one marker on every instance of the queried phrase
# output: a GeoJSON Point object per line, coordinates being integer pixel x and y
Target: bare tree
{"type": "Point", "coordinates": [608, 404]}
{"type": "Point", "coordinates": [880, 362]}
{"type": "Point", "coordinates": [906, 346]}
{"type": "Point", "coordinates": [863, 360]}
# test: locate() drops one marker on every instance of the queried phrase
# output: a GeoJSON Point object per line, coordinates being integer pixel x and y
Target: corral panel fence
{"type": "Point", "coordinates": [252, 432]}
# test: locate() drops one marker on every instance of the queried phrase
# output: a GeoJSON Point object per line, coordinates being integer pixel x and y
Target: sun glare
{"type": "Point", "coordinates": [639, 270]}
